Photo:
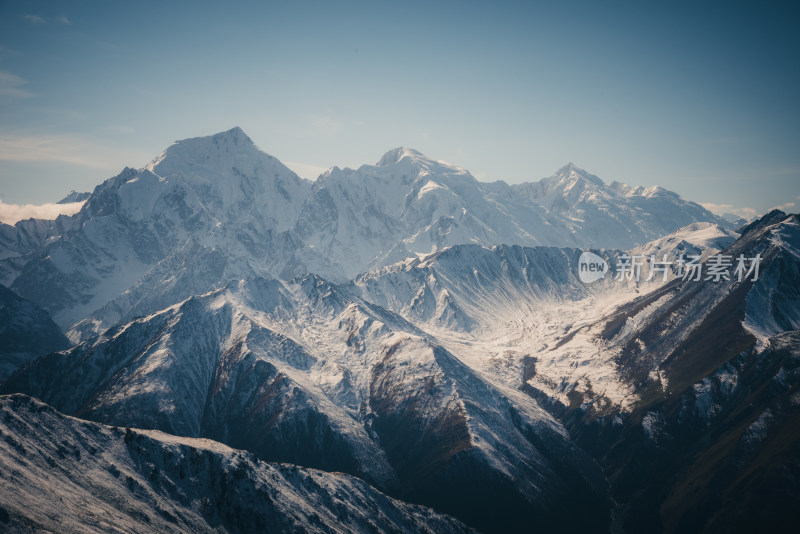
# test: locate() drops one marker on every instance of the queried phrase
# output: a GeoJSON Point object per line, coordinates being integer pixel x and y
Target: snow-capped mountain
{"type": "Point", "coordinates": [703, 239]}
{"type": "Point", "coordinates": [714, 367]}
{"type": "Point", "coordinates": [421, 205]}
{"type": "Point", "coordinates": [615, 215]}
{"type": "Point", "coordinates": [305, 372]}
{"type": "Point", "coordinates": [70, 475]}
{"type": "Point", "coordinates": [407, 204]}
{"type": "Point", "coordinates": [407, 324]}
{"type": "Point", "coordinates": [202, 199]}
{"type": "Point", "coordinates": [729, 314]}
{"type": "Point", "coordinates": [75, 196]}
{"type": "Point", "coordinates": [18, 243]}
{"type": "Point", "coordinates": [676, 387]}
{"type": "Point", "coordinates": [137, 244]}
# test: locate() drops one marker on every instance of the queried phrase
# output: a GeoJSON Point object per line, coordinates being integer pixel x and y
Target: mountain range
{"type": "Point", "coordinates": [423, 332]}
{"type": "Point", "coordinates": [226, 210]}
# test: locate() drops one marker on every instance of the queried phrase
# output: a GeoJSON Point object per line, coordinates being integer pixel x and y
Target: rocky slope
{"type": "Point", "coordinates": [62, 474]}
{"type": "Point", "coordinates": [305, 372]}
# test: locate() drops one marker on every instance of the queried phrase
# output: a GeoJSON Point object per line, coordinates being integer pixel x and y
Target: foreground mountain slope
{"type": "Point", "coordinates": [708, 445]}
{"type": "Point", "coordinates": [720, 455]}
{"type": "Point", "coordinates": [62, 474]}
{"type": "Point", "coordinates": [684, 390]}
{"type": "Point", "coordinates": [308, 373]}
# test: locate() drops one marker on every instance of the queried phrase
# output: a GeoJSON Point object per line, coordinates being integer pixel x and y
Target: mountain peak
{"type": "Point", "coordinates": [570, 172]}
{"type": "Point", "coordinates": [194, 150]}
{"type": "Point", "coordinates": [235, 138]}
{"type": "Point", "coordinates": [569, 167]}
{"type": "Point", "coordinates": [235, 135]}
{"type": "Point", "coordinates": [396, 154]}
{"type": "Point", "coordinates": [74, 196]}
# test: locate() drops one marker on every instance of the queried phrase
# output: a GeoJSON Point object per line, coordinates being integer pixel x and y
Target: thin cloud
{"type": "Point", "coordinates": [11, 86]}
{"type": "Point", "coordinates": [726, 209]}
{"type": "Point", "coordinates": [33, 19]}
{"type": "Point", "coordinates": [787, 207]}
{"type": "Point", "coordinates": [66, 149]}
{"type": "Point", "coordinates": [13, 213]}
{"type": "Point", "coordinates": [63, 20]}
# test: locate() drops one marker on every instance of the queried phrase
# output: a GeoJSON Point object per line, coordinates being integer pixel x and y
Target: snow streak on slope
{"type": "Point", "coordinates": [62, 474]}
{"type": "Point", "coordinates": [523, 318]}
{"type": "Point", "coordinates": [307, 373]}
{"type": "Point", "coordinates": [703, 239]}
{"type": "Point", "coordinates": [504, 310]}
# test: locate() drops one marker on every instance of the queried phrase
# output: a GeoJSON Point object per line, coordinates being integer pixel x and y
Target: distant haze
{"type": "Point", "coordinates": [699, 99]}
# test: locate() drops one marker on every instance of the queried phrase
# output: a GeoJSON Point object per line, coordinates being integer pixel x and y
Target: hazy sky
{"type": "Point", "coordinates": [699, 98]}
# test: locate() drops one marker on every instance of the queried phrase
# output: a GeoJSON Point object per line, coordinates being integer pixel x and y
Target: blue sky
{"type": "Point", "coordinates": [701, 98]}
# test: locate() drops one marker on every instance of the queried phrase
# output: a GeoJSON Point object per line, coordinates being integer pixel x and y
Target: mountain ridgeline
{"type": "Point", "coordinates": [251, 350]}
{"type": "Point", "coordinates": [226, 210]}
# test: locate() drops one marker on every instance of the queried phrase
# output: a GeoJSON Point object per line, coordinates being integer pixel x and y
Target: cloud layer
{"type": "Point", "coordinates": [788, 207]}
{"type": "Point", "coordinates": [11, 213]}
{"type": "Point", "coordinates": [727, 209]}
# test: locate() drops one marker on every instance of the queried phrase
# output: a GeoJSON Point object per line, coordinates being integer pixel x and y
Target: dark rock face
{"type": "Point", "coordinates": [26, 332]}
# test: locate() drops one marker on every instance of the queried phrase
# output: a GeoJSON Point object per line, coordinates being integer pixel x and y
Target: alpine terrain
{"type": "Point", "coordinates": [216, 344]}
